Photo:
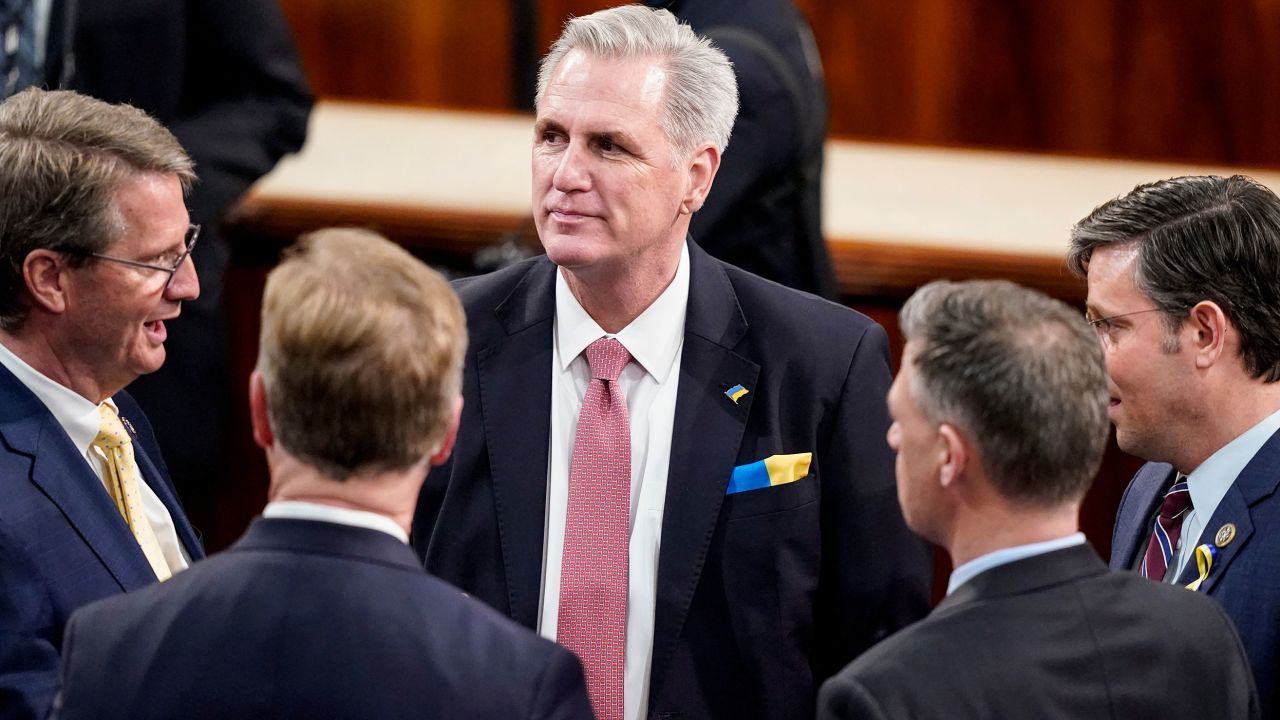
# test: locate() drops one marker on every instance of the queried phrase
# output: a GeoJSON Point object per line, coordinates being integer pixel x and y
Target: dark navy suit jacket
{"type": "Point", "coordinates": [1245, 577]}
{"type": "Point", "coordinates": [308, 619]}
{"type": "Point", "coordinates": [63, 543]}
{"type": "Point", "coordinates": [1053, 636]}
{"type": "Point", "coordinates": [760, 594]}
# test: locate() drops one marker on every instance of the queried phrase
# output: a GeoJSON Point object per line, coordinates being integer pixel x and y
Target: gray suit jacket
{"type": "Point", "coordinates": [1054, 636]}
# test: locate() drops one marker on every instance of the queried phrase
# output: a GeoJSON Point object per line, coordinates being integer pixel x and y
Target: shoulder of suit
{"type": "Point", "coordinates": [766, 300]}
{"type": "Point", "coordinates": [499, 283]}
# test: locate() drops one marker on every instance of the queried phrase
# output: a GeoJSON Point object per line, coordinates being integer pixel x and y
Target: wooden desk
{"type": "Point", "coordinates": [448, 183]}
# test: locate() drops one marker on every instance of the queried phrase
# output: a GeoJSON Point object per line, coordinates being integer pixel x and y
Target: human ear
{"type": "Point", "coordinates": [702, 171]}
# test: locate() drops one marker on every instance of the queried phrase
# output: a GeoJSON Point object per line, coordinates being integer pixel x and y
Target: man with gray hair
{"type": "Point", "coordinates": [95, 248]}
{"type": "Point", "coordinates": [1184, 292]}
{"type": "Point", "coordinates": [999, 422]}
{"type": "Point", "coordinates": [672, 467]}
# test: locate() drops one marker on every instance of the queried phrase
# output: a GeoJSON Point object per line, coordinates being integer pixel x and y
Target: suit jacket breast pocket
{"type": "Point", "coordinates": [771, 499]}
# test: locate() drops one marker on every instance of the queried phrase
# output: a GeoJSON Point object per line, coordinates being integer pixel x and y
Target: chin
{"type": "Point", "coordinates": [570, 252]}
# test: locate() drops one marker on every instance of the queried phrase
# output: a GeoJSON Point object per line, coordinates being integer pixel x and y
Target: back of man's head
{"type": "Point", "coordinates": [701, 101]}
{"type": "Point", "coordinates": [360, 355]}
{"type": "Point", "coordinates": [1021, 375]}
{"type": "Point", "coordinates": [1200, 238]}
{"type": "Point", "coordinates": [62, 158]}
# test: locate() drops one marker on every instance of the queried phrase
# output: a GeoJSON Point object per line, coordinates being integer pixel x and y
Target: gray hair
{"type": "Point", "coordinates": [702, 93]}
{"type": "Point", "coordinates": [62, 158]}
{"type": "Point", "coordinates": [1022, 374]}
{"type": "Point", "coordinates": [1200, 238]}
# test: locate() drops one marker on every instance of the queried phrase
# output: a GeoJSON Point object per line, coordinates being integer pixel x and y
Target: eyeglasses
{"type": "Point", "coordinates": [193, 234]}
{"type": "Point", "coordinates": [1105, 327]}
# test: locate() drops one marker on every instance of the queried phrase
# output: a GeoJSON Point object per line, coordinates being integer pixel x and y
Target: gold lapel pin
{"type": "Point", "coordinates": [1225, 535]}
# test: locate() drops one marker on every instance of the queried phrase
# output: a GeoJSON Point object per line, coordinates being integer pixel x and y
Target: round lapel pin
{"type": "Point", "coordinates": [1225, 535]}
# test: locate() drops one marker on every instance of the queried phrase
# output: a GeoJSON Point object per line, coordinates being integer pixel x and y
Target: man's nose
{"type": "Point", "coordinates": [572, 172]}
{"type": "Point", "coordinates": [184, 285]}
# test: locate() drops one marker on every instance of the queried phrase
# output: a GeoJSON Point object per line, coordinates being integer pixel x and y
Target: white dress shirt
{"type": "Point", "coordinates": [655, 340]}
{"type": "Point", "coordinates": [1208, 484]}
{"type": "Point", "coordinates": [1004, 556]}
{"type": "Point", "coordinates": [302, 510]}
{"type": "Point", "coordinates": [79, 418]}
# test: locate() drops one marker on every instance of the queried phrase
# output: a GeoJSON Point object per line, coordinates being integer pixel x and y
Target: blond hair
{"type": "Point", "coordinates": [361, 353]}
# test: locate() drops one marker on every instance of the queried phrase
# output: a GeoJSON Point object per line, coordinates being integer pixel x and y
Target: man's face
{"type": "Point", "coordinates": [920, 450]}
{"type": "Point", "coordinates": [116, 313]}
{"type": "Point", "coordinates": [607, 192]}
{"type": "Point", "coordinates": [1150, 379]}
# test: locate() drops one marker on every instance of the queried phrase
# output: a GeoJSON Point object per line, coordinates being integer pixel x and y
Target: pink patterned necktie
{"type": "Point", "coordinates": [593, 578]}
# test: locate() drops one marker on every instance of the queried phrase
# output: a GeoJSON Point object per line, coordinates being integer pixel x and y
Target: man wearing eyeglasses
{"type": "Point", "coordinates": [94, 262]}
{"type": "Point", "coordinates": [1184, 293]}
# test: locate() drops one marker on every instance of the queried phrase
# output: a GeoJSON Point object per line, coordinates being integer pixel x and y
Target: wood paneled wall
{"type": "Point", "coordinates": [1162, 79]}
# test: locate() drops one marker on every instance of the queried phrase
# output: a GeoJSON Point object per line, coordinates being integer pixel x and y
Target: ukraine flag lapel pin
{"type": "Point", "coordinates": [736, 393]}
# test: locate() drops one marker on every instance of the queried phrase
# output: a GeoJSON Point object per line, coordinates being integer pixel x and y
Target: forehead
{"type": "Point", "coordinates": [1111, 277]}
{"type": "Point", "coordinates": [900, 391]}
{"type": "Point", "coordinates": [152, 207]}
{"type": "Point", "coordinates": [587, 87]}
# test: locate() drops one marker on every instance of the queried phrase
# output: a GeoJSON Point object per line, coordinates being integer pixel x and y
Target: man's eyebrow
{"type": "Point", "coordinates": [620, 137]}
{"type": "Point", "coordinates": [544, 124]}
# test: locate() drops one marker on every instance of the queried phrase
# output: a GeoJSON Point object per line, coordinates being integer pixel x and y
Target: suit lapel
{"type": "Point", "coordinates": [1133, 528]}
{"type": "Point", "coordinates": [515, 371]}
{"type": "Point", "coordinates": [706, 435]}
{"type": "Point", "coordinates": [59, 470]}
{"type": "Point", "coordinates": [1257, 481]}
{"type": "Point", "coordinates": [161, 487]}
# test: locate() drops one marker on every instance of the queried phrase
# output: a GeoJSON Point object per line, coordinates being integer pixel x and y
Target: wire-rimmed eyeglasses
{"type": "Point", "coordinates": [193, 234]}
{"type": "Point", "coordinates": [1105, 326]}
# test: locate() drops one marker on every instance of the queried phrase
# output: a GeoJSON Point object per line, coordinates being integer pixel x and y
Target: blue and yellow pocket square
{"type": "Point", "coordinates": [773, 470]}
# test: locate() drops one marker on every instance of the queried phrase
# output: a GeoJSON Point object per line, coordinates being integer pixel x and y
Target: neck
{"type": "Point", "coordinates": [615, 297]}
{"type": "Point", "coordinates": [391, 494]}
{"type": "Point", "coordinates": [1226, 414]}
{"type": "Point", "coordinates": [35, 349]}
{"type": "Point", "coordinates": [1004, 525]}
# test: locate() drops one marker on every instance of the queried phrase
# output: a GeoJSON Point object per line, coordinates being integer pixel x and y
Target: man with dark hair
{"type": "Point", "coordinates": [356, 392]}
{"type": "Point", "coordinates": [95, 248]}
{"type": "Point", "coordinates": [667, 464]}
{"type": "Point", "coordinates": [999, 420]}
{"type": "Point", "coordinates": [1184, 293]}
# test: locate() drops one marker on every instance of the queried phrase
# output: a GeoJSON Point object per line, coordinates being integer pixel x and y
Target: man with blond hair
{"type": "Point", "coordinates": [667, 464]}
{"type": "Point", "coordinates": [355, 394]}
{"type": "Point", "coordinates": [95, 247]}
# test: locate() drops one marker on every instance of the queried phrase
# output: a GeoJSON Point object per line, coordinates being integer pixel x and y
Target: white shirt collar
{"type": "Point", "coordinates": [1004, 556]}
{"type": "Point", "coordinates": [302, 510]}
{"type": "Point", "coordinates": [77, 415]}
{"type": "Point", "coordinates": [1209, 482]}
{"type": "Point", "coordinates": [652, 338]}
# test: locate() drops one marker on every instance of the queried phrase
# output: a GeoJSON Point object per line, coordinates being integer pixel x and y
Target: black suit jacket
{"type": "Point", "coordinates": [63, 543]}
{"type": "Point", "coordinates": [1245, 578]}
{"type": "Point", "coordinates": [1054, 636]}
{"type": "Point", "coordinates": [311, 619]}
{"type": "Point", "coordinates": [761, 594]}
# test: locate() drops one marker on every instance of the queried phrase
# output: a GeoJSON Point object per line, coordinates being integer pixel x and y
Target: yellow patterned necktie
{"type": "Point", "coordinates": [124, 484]}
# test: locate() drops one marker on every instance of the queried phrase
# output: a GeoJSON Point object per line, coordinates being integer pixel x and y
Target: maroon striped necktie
{"type": "Point", "coordinates": [593, 578]}
{"type": "Point", "coordinates": [1166, 531]}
